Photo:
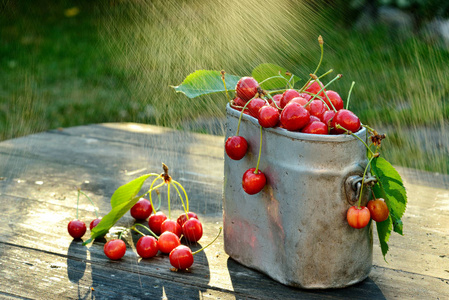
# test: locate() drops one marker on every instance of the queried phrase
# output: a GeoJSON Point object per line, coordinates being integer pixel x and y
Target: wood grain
{"type": "Point", "coordinates": [39, 175]}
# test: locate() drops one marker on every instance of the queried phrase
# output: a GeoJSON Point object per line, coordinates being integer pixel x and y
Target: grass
{"type": "Point", "coordinates": [114, 61]}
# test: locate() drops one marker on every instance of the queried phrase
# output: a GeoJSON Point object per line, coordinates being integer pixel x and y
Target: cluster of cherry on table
{"type": "Point", "coordinates": [165, 233]}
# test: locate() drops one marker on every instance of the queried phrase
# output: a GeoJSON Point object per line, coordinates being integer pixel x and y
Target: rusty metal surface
{"type": "Point", "coordinates": [295, 229]}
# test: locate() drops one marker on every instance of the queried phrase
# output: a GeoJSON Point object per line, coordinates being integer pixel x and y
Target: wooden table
{"type": "Point", "coordinates": [40, 175]}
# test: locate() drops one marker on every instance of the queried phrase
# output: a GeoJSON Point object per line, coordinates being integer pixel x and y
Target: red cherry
{"type": "Point", "coordinates": [141, 210]}
{"type": "Point", "coordinates": [268, 116]}
{"type": "Point", "coordinates": [192, 230]}
{"type": "Point", "coordinates": [253, 183]}
{"type": "Point", "coordinates": [94, 223]}
{"type": "Point", "coordinates": [277, 97]}
{"type": "Point", "coordinates": [76, 228]}
{"type": "Point", "coordinates": [346, 119]}
{"type": "Point", "coordinates": [239, 104]}
{"type": "Point", "coordinates": [378, 209]}
{"type": "Point", "coordinates": [358, 217]}
{"type": "Point", "coordinates": [316, 108]}
{"type": "Point", "coordinates": [147, 246]}
{"type": "Point", "coordinates": [300, 100]}
{"type": "Point", "coordinates": [236, 147]}
{"type": "Point", "coordinates": [255, 105]}
{"type": "Point", "coordinates": [183, 218]}
{"type": "Point", "coordinates": [238, 101]}
{"type": "Point", "coordinates": [313, 119]}
{"type": "Point", "coordinates": [246, 88]}
{"type": "Point", "coordinates": [335, 98]}
{"type": "Point", "coordinates": [278, 103]}
{"type": "Point", "coordinates": [314, 87]}
{"type": "Point", "coordinates": [287, 96]}
{"type": "Point", "coordinates": [172, 226]}
{"type": "Point", "coordinates": [327, 117]}
{"type": "Point", "coordinates": [181, 257]}
{"type": "Point", "coordinates": [115, 249]}
{"type": "Point", "coordinates": [168, 241]}
{"type": "Point", "coordinates": [155, 221]}
{"type": "Point", "coordinates": [306, 96]}
{"type": "Point", "coordinates": [316, 127]}
{"type": "Point", "coordinates": [294, 117]}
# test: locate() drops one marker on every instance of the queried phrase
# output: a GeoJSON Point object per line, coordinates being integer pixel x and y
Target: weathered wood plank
{"type": "Point", "coordinates": [41, 275]}
{"type": "Point", "coordinates": [59, 274]}
{"type": "Point", "coordinates": [397, 284]}
{"type": "Point", "coordinates": [56, 183]}
{"type": "Point", "coordinates": [38, 198]}
{"type": "Point", "coordinates": [424, 248]}
{"type": "Point", "coordinates": [87, 145]}
{"type": "Point", "coordinates": [50, 236]}
{"type": "Point", "coordinates": [426, 232]}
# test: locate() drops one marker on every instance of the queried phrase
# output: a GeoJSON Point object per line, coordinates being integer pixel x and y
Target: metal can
{"type": "Point", "coordinates": [295, 229]}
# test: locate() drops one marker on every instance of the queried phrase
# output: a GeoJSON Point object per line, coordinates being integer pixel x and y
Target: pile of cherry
{"type": "Point", "coordinates": [312, 110]}
{"type": "Point", "coordinates": [165, 235]}
{"type": "Point", "coordinates": [315, 110]}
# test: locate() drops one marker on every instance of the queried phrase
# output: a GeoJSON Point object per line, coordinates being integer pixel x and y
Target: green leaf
{"type": "Point", "coordinates": [124, 198]}
{"type": "Point", "coordinates": [203, 82]}
{"type": "Point", "coordinates": [265, 71]}
{"type": "Point", "coordinates": [391, 188]}
{"type": "Point", "coordinates": [128, 191]}
{"type": "Point", "coordinates": [383, 232]}
{"type": "Point", "coordinates": [397, 224]}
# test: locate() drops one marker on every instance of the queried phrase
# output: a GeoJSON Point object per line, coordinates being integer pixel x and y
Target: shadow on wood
{"type": "Point", "coordinates": [247, 281]}
{"type": "Point", "coordinates": [76, 260]}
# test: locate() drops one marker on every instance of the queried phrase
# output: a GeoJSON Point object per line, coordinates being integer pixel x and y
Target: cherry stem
{"type": "Point", "coordinates": [165, 175]}
{"type": "Point", "coordinates": [276, 91]}
{"type": "Point", "coordinates": [151, 232]}
{"type": "Point", "coordinates": [325, 94]}
{"type": "Point", "coordinates": [367, 127]}
{"type": "Point", "coordinates": [260, 152]}
{"type": "Point", "coordinates": [144, 194]}
{"type": "Point", "coordinates": [349, 94]}
{"type": "Point", "coordinates": [224, 83]}
{"type": "Point", "coordinates": [322, 89]}
{"type": "Point", "coordinates": [168, 199]}
{"type": "Point", "coordinates": [355, 135]}
{"type": "Point", "coordinates": [182, 200]}
{"type": "Point", "coordinates": [151, 189]}
{"type": "Point", "coordinates": [77, 203]}
{"type": "Point", "coordinates": [320, 98]}
{"type": "Point", "coordinates": [372, 191]}
{"type": "Point", "coordinates": [96, 212]}
{"type": "Point", "coordinates": [274, 77]}
{"type": "Point", "coordinates": [320, 40]}
{"type": "Point", "coordinates": [138, 231]}
{"type": "Point", "coordinates": [198, 251]}
{"type": "Point", "coordinates": [185, 194]}
{"type": "Point", "coordinates": [269, 96]}
{"type": "Point", "coordinates": [363, 182]}
{"type": "Point", "coordinates": [305, 85]}
{"type": "Point", "coordinates": [120, 235]}
{"type": "Point", "coordinates": [291, 82]}
{"type": "Point", "coordinates": [327, 73]}
{"type": "Point", "coordinates": [241, 114]}
{"type": "Point", "coordinates": [159, 199]}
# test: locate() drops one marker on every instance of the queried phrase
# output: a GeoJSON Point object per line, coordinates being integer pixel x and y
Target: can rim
{"type": "Point", "coordinates": [296, 134]}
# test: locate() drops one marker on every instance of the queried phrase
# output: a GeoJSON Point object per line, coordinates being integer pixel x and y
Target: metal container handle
{"type": "Point", "coordinates": [353, 185]}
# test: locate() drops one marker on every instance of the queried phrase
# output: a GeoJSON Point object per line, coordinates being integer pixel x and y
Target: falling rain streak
{"type": "Point", "coordinates": [140, 48]}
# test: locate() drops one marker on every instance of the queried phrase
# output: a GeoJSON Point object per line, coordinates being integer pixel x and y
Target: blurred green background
{"type": "Point", "coordinates": [68, 63]}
